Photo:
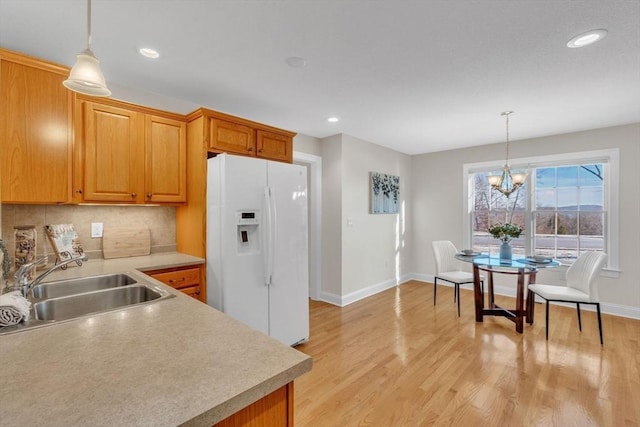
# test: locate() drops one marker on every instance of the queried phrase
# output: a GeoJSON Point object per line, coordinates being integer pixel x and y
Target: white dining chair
{"type": "Point", "coordinates": [582, 287]}
{"type": "Point", "coordinates": [448, 268]}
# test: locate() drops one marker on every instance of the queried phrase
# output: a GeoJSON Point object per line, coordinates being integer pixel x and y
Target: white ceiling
{"type": "Point", "coordinates": [416, 76]}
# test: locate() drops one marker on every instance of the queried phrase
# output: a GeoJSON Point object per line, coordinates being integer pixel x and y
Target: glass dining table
{"type": "Point", "coordinates": [520, 267]}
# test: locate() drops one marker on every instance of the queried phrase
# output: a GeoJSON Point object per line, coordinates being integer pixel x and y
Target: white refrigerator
{"type": "Point", "coordinates": [257, 249]}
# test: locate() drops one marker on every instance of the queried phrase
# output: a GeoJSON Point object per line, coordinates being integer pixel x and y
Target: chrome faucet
{"type": "Point", "coordinates": [22, 275]}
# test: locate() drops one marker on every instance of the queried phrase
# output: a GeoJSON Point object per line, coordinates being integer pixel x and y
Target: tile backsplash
{"type": "Point", "coordinates": [159, 219]}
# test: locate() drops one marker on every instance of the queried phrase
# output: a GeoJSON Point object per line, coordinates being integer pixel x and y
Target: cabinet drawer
{"type": "Point", "coordinates": [180, 278]}
{"type": "Point", "coordinates": [192, 291]}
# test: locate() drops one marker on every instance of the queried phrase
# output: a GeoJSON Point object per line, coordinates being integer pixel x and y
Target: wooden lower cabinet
{"type": "Point", "coordinates": [188, 280]}
{"type": "Point", "coordinates": [273, 410]}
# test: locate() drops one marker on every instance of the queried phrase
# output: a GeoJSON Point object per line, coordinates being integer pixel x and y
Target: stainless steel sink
{"type": "Point", "coordinates": [73, 306]}
{"type": "Point", "coordinates": [65, 301]}
{"type": "Point", "coordinates": [61, 288]}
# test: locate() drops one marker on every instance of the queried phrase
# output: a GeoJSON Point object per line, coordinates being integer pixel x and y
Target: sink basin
{"type": "Point", "coordinates": [70, 307]}
{"type": "Point", "coordinates": [63, 288]}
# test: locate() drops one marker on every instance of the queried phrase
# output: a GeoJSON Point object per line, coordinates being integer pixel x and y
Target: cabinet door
{"type": "Point", "coordinates": [231, 137]}
{"type": "Point", "coordinates": [275, 146]}
{"type": "Point", "coordinates": [35, 132]}
{"type": "Point", "coordinates": [165, 165]}
{"type": "Point", "coordinates": [275, 409]}
{"type": "Point", "coordinates": [113, 154]}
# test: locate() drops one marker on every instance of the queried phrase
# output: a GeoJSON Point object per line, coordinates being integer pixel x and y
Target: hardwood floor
{"type": "Point", "coordinates": [394, 359]}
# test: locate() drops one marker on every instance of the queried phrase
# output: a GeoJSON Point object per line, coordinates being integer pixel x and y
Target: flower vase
{"type": "Point", "coordinates": [505, 251]}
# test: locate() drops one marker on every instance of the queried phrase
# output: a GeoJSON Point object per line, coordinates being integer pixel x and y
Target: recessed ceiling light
{"type": "Point", "coordinates": [333, 119]}
{"type": "Point", "coordinates": [585, 39]}
{"type": "Point", "coordinates": [149, 53]}
{"type": "Point", "coordinates": [296, 62]}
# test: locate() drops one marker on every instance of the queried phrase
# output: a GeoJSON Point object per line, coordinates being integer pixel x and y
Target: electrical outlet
{"type": "Point", "coordinates": [96, 229]}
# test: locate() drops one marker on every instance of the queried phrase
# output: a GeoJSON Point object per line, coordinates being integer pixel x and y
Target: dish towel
{"type": "Point", "coordinates": [14, 308]}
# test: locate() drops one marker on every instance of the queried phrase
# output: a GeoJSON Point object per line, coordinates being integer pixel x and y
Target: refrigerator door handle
{"type": "Point", "coordinates": [273, 232]}
{"type": "Point", "coordinates": [267, 253]}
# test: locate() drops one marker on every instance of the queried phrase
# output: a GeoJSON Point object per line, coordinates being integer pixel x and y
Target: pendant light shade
{"type": "Point", "coordinates": [86, 76]}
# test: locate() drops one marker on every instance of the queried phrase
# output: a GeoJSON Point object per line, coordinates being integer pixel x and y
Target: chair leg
{"type": "Point", "coordinates": [579, 320]}
{"type": "Point", "coordinates": [457, 291]}
{"type": "Point", "coordinates": [435, 283]}
{"type": "Point", "coordinates": [547, 321]}
{"type": "Point", "coordinates": [599, 322]}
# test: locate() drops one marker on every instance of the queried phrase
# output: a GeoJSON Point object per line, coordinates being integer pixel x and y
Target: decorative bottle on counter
{"type": "Point", "coordinates": [25, 237]}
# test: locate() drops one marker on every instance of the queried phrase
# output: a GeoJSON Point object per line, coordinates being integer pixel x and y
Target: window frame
{"type": "Point", "coordinates": [609, 157]}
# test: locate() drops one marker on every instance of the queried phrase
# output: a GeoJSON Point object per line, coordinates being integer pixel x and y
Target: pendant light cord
{"type": "Point", "coordinates": [88, 24]}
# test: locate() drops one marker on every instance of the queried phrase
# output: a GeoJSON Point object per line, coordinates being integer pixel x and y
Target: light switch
{"type": "Point", "coordinates": [96, 229]}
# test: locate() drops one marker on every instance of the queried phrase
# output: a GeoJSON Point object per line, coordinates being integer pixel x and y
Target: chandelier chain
{"type": "Point", "coordinates": [507, 114]}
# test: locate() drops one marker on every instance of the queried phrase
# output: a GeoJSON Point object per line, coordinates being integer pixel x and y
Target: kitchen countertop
{"type": "Point", "coordinates": [173, 362]}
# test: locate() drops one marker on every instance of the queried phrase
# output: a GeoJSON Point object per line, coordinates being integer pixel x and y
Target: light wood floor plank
{"type": "Point", "coordinates": [395, 359]}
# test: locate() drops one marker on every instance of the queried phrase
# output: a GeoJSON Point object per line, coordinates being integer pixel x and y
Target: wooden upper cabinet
{"type": "Point", "coordinates": [223, 133]}
{"type": "Point", "coordinates": [35, 131]}
{"type": "Point", "coordinates": [165, 164]}
{"type": "Point", "coordinates": [128, 154]}
{"type": "Point", "coordinates": [226, 136]}
{"type": "Point", "coordinates": [275, 146]}
{"type": "Point", "coordinates": [209, 133]}
{"type": "Point", "coordinates": [113, 153]}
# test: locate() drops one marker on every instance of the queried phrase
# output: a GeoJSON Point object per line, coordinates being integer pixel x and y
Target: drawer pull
{"type": "Point", "coordinates": [182, 279]}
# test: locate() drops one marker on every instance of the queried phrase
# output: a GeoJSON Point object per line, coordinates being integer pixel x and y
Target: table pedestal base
{"type": "Point", "coordinates": [517, 314]}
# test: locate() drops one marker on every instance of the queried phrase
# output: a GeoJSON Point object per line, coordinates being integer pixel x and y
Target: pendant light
{"type": "Point", "coordinates": [86, 76]}
{"type": "Point", "coordinates": [507, 182]}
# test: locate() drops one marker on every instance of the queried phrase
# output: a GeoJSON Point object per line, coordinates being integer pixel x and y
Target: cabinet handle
{"type": "Point", "coordinates": [260, 151]}
{"type": "Point", "coordinates": [133, 195]}
{"type": "Point", "coordinates": [182, 279]}
{"type": "Point", "coordinates": [149, 195]}
{"type": "Point", "coordinates": [250, 149]}
{"type": "Point", "coordinates": [79, 191]}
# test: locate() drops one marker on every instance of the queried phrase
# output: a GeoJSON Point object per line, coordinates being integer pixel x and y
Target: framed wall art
{"type": "Point", "coordinates": [385, 192]}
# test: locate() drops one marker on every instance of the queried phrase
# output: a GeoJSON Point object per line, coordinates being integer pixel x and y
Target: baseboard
{"type": "Point", "coordinates": [360, 294]}
{"type": "Point", "coordinates": [605, 307]}
{"type": "Point", "coordinates": [341, 301]}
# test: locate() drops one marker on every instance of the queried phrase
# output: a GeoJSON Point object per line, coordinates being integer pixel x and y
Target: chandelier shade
{"type": "Point", "coordinates": [507, 182]}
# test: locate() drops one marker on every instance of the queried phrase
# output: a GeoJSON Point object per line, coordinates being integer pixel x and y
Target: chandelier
{"type": "Point", "coordinates": [507, 182]}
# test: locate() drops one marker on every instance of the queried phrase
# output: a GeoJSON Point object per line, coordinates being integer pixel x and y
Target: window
{"type": "Point", "coordinates": [568, 210]}
{"type": "Point", "coordinates": [567, 206]}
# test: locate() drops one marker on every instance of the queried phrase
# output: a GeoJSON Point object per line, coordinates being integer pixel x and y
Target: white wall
{"type": "Point", "coordinates": [373, 254]}
{"type": "Point", "coordinates": [360, 260]}
{"type": "Point", "coordinates": [331, 219]}
{"type": "Point", "coordinates": [437, 202]}
{"type": "Point", "coordinates": [307, 144]}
